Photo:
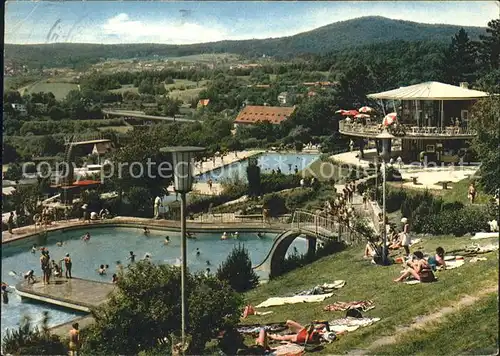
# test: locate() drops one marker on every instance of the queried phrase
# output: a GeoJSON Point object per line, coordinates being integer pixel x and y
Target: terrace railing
{"type": "Point", "coordinates": [406, 130]}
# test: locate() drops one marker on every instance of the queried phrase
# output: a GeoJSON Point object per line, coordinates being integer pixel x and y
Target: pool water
{"type": "Point", "coordinates": [107, 246]}
{"type": "Point", "coordinates": [286, 162]}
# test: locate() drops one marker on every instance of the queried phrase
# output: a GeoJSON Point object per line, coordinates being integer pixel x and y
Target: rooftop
{"type": "Point", "coordinates": [274, 114]}
{"type": "Point", "coordinates": [430, 91]}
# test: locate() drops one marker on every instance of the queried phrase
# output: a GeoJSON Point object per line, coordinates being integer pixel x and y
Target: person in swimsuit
{"type": "Point", "coordinates": [34, 248]}
{"type": "Point", "coordinates": [101, 270]}
{"type": "Point", "coordinates": [68, 264]}
{"type": "Point", "coordinates": [30, 276]}
{"type": "Point", "coordinates": [45, 266]}
{"type": "Point", "coordinates": [471, 193]}
{"type": "Point", "coordinates": [5, 294]}
{"type": "Point", "coordinates": [301, 334]}
{"type": "Point", "coordinates": [74, 340]}
{"type": "Point", "coordinates": [146, 230]}
{"type": "Point", "coordinates": [86, 237]}
{"type": "Point", "coordinates": [131, 257]}
{"type": "Point", "coordinates": [438, 259]}
{"type": "Point", "coordinates": [114, 278]}
{"type": "Point", "coordinates": [198, 252]}
{"type": "Point", "coordinates": [56, 269]}
{"type": "Point", "coordinates": [419, 269]}
{"type": "Point", "coordinates": [167, 240]}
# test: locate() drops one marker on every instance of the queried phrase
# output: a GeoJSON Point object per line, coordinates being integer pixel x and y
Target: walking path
{"type": "Point", "coordinates": [226, 222]}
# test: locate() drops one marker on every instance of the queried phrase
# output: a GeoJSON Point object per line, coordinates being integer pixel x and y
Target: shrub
{"type": "Point", "coordinates": [28, 340]}
{"type": "Point", "coordinates": [237, 270]}
{"type": "Point", "coordinates": [297, 197]}
{"type": "Point", "coordinates": [145, 309]}
{"type": "Point", "coordinates": [275, 182]}
{"type": "Point", "coordinates": [394, 199]}
{"type": "Point", "coordinates": [275, 203]}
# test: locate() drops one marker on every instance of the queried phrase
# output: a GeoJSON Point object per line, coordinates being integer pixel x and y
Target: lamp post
{"type": "Point", "coordinates": [386, 138]}
{"type": "Point", "coordinates": [183, 182]}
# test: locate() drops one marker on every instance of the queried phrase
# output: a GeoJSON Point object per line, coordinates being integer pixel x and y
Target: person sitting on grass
{"type": "Point", "coordinates": [418, 268]}
{"type": "Point", "coordinates": [301, 334]}
{"type": "Point", "coordinates": [437, 260]}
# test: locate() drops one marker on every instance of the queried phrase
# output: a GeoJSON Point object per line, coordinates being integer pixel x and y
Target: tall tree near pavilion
{"type": "Point", "coordinates": [489, 46]}
{"type": "Point", "coordinates": [460, 60]}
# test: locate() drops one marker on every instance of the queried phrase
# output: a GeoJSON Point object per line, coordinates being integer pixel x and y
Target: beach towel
{"type": "Point", "coordinates": [322, 288]}
{"type": "Point", "coordinates": [270, 302]}
{"type": "Point", "coordinates": [412, 281]}
{"type": "Point", "coordinates": [484, 235]}
{"type": "Point", "coordinates": [475, 248]}
{"type": "Point", "coordinates": [453, 264]}
{"type": "Point", "coordinates": [343, 306]}
{"type": "Point", "coordinates": [289, 349]}
{"type": "Point", "coordinates": [476, 259]}
{"type": "Point", "coordinates": [255, 329]}
{"type": "Point", "coordinates": [350, 324]}
{"type": "Point", "coordinates": [416, 241]}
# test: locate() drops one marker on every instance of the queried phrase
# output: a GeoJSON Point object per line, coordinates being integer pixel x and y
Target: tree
{"type": "Point", "coordinates": [144, 311]}
{"type": "Point", "coordinates": [253, 177]}
{"type": "Point", "coordinates": [354, 85]}
{"type": "Point", "coordinates": [487, 141]}
{"type": "Point", "coordinates": [12, 97]}
{"type": "Point", "coordinates": [460, 60]}
{"type": "Point", "coordinates": [146, 87]}
{"type": "Point", "coordinates": [237, 270]}
{"type": "Point", "coordinates": [56, 113]}
{"type": "Point", "coordinates": [14, 172]}
{"type": "Point", "coordinates": [171, 107]}
{"type": "Point", "coordinates": [489, 46]}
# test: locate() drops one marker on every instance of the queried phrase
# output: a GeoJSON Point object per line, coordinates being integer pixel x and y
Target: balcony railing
{"type": "Point", "coordinates": [404, 130]}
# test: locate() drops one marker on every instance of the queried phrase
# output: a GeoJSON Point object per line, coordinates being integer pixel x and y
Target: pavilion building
{"type": "Point", "coordinates": [432, 118]}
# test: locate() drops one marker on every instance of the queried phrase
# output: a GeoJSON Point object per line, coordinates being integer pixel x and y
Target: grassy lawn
{"type": "Point", "coordinates": [60, 90]}
{"type": "Point", "coordinates": [458, 192]}
{"type": "Point", "coordinates": [472, 331]}
{"type": "Point", "coordinates": [126, 87]}
{"type": "Point", "coordinates": [185, 95]}
{"type": "Point", "coordinates": [325, 170]}
{"type": "Point", "coordinates": [396, 304]}
{"type": "Point", "coordinates": [119, 129]}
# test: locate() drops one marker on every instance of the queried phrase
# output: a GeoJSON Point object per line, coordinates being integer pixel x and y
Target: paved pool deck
{"type": "Point", "coordinates": [73, 293]}
{"type": "Point", "coordinates": [209, 222]}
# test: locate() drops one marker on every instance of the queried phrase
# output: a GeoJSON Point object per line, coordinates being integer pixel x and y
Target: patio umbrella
{"type": "Point", "coordinates": [366, 109]}
{"type": "Point", "coordinates": [389, 119]}
{"type": "Point", "coordinates": [361, 116]}
{"type": "Point", "coordinates": [350, 113]}
{"type": "Point", "coordinates": [341, 111]}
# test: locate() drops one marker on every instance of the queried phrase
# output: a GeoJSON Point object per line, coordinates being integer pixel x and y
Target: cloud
{"type": "Point", "coordinates": [128, 30]}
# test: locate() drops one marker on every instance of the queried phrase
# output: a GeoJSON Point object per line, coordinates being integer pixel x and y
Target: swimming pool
{"type": "Point", "coordinates": [107, 246]}
{"type": "Point", "coordinates": [286, 162]}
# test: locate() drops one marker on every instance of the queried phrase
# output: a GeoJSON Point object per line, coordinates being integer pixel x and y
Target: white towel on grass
{"type": "Point", "coordinates": [270, 302]}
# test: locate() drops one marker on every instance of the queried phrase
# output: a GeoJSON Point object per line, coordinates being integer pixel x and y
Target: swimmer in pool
{"type": "Point", "coordinates": [236, 235]}
{"type": "Point", "coordinates": [101, 270]}
{"type": "Point", "coordinates": [86, 237]}
{"type": "Point", "coordinates": [198, 252]}
{"type": "Point", "coordinates": [146, 231]}
{"type": "Point", "coordinates": [190, 235]}
{"type": "Point", "coordinates": [147, 257]}
{"type": "Point", "coordinates": [34, 248]}
{"type": "Point", "coordinates": [167, 240]}
{"type": "Point", "coordinates": [208, 263]}
{"type": "Point", "coordinates": [207, 272]}
{"type": "Point", "coordinates": [224, 236]}
{"type": "Point", "coordinates": [59, 243]}
{"type": "Point", "coordinates": [260, 235]}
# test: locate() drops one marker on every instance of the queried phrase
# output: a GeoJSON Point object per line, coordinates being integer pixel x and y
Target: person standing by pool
{"type": "Point", "coordinates": [5, 294]}
{"type": "Point", "coordinates": [68, 265]}
{"type": "Point", "coordinates": [114, 278]}
{"type": "Point", "coordinates": [30, 276]}
{"type": "Point", "coordinates": [74, 340]}
{"type": "Point", "coordinates": [10, 222]}
{"type": "Point", "coordinates": [45, 266]}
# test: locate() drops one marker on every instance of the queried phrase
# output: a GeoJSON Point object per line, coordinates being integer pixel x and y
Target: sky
{"type": "Point", "coordinates": [28, 22]}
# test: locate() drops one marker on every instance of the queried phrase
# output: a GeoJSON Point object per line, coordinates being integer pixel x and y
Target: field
{"type": "Point", "coordinates": [126, 87]}
{"type": "Point", "coordinates": [59, 89]}
{"type": "Point", "coordinates": [185, 95]}
{"type": "Point", "coordinates": [118, 129]}
{"type": "Point", "coordinates": [398, 305]}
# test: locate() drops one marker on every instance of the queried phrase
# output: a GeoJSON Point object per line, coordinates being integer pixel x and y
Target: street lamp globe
{"type": "Point", "coordinates": [386, 139]}
{"type": "Point", "coordinates": [182, 165]}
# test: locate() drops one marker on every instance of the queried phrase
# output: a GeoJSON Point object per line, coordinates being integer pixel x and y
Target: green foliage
{"type": "Point", "coordinates": [489, 46]}
{"type": "Point", "coordinates": [298, 197]}
{"type": "Point", "coordinates": [460, 62]}
{"type": "Point", "coordinates": [29, 340]}
{"type": "Point", "coordinates": [487, 141]}
{"type": "Point", "coordinates": [275, 182]}
{"type": "Point", "coordinates": [237, 270]}
{"type": "Point", "coordinates": [145, 311]}
{"type": "Point", "coordinates": [14, 172]}
{"type": "Point", "coordinates": [275, 203]}
{"type": "Point", "coordinates": [253, 178]}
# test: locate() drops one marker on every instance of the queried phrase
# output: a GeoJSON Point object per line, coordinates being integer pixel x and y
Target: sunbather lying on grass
{"type": "Point", "coordinates": [418, 268]}
{"type": "Point", "coordinates": [302, 335]}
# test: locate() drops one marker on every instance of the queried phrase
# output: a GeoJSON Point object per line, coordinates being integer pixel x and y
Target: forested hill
{"type": "Point", "coordinates": [334, 37]}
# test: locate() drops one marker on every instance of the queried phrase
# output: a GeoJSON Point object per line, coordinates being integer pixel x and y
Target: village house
{"type": "Point", "coordinates": [253, 114]}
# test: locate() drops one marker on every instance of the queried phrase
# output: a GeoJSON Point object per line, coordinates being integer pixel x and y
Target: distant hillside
{"type": "Point", "coordinates": [334, 37]}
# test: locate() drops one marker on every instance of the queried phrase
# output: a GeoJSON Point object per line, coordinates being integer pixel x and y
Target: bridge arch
{"type": "Point", "coordinates": [273, 262]}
